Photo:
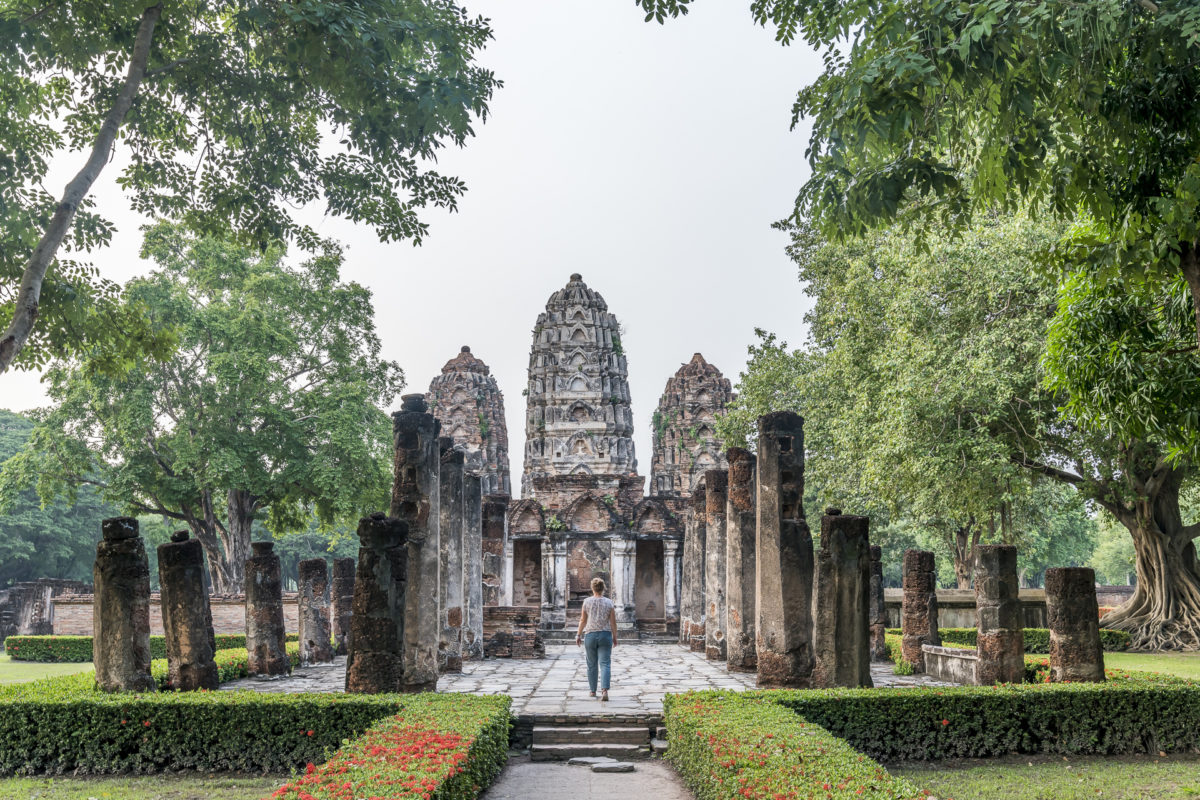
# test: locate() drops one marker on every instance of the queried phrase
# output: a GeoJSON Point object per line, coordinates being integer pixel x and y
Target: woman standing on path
{"type": "Point", "coordinates": [598, 635]}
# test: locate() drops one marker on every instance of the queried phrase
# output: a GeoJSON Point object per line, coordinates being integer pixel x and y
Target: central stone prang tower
{"type": "Point", "coordinates": [578, 421]}
{"type": "Point", "coordinates": [467, 402]}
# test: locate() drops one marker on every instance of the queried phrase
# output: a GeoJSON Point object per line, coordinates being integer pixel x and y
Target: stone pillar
{"type": "Point", "coordinates": [623, 563]}
{"type": "Point", "coordinates": [783, 549]}
{"type": "Point", "coordinates": [740, 562]}
{"type": "Point", "coordinates": [343, 603]}
{"type": "Point", "coordinates": [316, 646]}
{"type": "Point", "coordinates": [450, 535]}
{"type": "Point", "coordinates": [495, 540]}
{"type": "Point", "coordinates": [554, 583]}
{"type": "Point", "coordinates": [841, 624]}
{"type": "Point", "coordinates": [506, 591]}
{"type": "Point", "coordinates": [472, 544]}
{"type": "Point", "coordinates": [187, 616]}
{"type": "Point", "coordinates": [1000, 629]}
{"type": "Point", "coordinates": [266, 636]}
{"type": "Point", "coordinates": [877, 609]}
{"type": "Point", "coordinates": [376, 661]}
{"type": "Point", "coordinates": [1074, 619]}
{"type": "Point", "coordinates": [415, 496]}
{"type": "Point", "coordinates": [671, 549]}
{"type": "Point", "coordinates": [918, 609]}
{"type": "Point", "coordinates": [691, 606]}
{"type": "Point", "coordinates": [121, 609]}
{"type": "Point", "coordinates": [716, 482]}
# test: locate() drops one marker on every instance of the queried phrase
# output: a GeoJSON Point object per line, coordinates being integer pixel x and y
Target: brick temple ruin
{"type": "Point", "coordinates": [583, 511]}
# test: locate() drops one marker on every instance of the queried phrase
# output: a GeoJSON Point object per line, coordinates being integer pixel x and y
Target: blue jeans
{"type": "Point", "coordinates": [597, 646]}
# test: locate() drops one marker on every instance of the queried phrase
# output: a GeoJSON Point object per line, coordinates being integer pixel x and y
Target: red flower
{"type": "Point", "coordinates": [945, 722]}
{"type": "Point", "coordinates": [310, 733]}
{"type": "Point", "coordinates": [146, 723]}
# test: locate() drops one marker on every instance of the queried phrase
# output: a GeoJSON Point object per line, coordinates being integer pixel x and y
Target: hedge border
{"type": "Point", "coordinates": [1037, 640]}
{"type": "Point", "coordinates": [439, 747]}
{"type": "Point", "coordinates": [739, 746]}
{"type": "Point", "coordinates": [78, 649]}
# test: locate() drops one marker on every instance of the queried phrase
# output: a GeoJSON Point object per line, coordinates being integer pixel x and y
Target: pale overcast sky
{"type": "Point", "coordinates": [651, 159]}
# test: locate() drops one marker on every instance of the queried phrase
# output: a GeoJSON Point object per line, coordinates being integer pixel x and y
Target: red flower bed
{"type": "Point", "coordinates": [440, 747]}
{"type": "Point", "coordinates": [728, 747]}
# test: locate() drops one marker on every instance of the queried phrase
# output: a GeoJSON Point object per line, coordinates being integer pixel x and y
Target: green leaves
{"type": "Point", "coordinates": [233, 128]}
{"type": "Point", "coordinates": [270, 407]}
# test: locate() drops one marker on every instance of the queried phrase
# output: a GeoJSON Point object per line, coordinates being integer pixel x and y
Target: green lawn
{"type": "Point", "coordinates": [1186, 665]}
{"type": "Point", "coordinates": [21, 671]}
{"type": "Point", "coordinates": [146, 787]}
{"type": "Point", "coordinates": [1057, 778]}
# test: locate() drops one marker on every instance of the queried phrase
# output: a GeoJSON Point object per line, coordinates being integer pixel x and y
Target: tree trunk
{"type": "Point", "coordinates": [1164, 612]}
{"type": "Point", "coordinates": [241, 506]}
{"type": "Point", "coordinates": [1189, 265]}
{"type": "Point", "coordinates": [25, 310]}
{"type": "Point", "coordinates": [965, 538]}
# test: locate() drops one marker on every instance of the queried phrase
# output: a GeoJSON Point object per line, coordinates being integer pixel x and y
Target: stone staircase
{"type": "Point", "coordinates": [619, 737]}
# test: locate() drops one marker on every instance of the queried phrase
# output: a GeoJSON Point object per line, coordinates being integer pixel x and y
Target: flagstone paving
{"type": "Point", "coordinates": [642, 674]}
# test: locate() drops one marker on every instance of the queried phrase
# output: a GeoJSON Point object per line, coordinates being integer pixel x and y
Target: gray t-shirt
{"type": "Point", "coordinates": [598, 611]}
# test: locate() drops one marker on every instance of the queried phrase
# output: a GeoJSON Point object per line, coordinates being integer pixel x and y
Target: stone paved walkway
{"type": "Point", "coordinates": [641, 675]}
{"type": "Point", "coordinates": [523, 779]}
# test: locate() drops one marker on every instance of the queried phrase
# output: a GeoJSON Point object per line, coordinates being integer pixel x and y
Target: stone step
{"type": "Point", "coordinates": [612, 734]}
{"type": "Point", "coordinates": [658, 746]}
{"type": "Point", "coordinates": [565, 752]}
{"type": "Point", "coordinates": [615, 766]}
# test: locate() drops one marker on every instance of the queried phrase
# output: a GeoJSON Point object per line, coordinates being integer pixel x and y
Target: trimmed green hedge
{"type": "Point", "coordinates": [1130, 713]}
{"type": "Point", "coordinates": [78, 649]}
{"type": "Point", "coordinates": [729, 746]}
{"type": "Point", "coordinates": [1037, 640]}
{"type": "Point", "coordinates": [448, 747]}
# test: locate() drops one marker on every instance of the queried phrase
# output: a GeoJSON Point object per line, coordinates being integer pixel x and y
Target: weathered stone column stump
{"type": "Point", "coordinates": [841, 626]}
{"type": "Point", "coordinates": [121, 609]}
{"type": "Point", "coordinates": [187, 616]}
{"type": "Point", "coordinates": [343, 603]}
{"type": "Point", "coordinates": [415, 500]}
{"type": "Point", "coordinates": [266, 636]}
{"type": "Point", "coordinates": [472, 565]}
{"type": "Point", "coordinates": [878, 610]}
{"type": "Point", "coordinates": [376, 661]}
{"type": "Point", "coordinates": [740, 563]}
{"type": "Point", "coordinates": [783, 547]}
{"type": "Point", "coordinates": [716, 483]}
{"type": "Point", "coordinates": [451, 596]}
{"type": "Point", "coordinates": [316, 646]}
{"type": "Point", "coordinates": [919, 608]}
{"type": "Point", "coordinates": [691, 605]}
{"type": "Point", "coordinates": [1074, 617]}
{"type": "Point", "coordinates": [1000, 628]}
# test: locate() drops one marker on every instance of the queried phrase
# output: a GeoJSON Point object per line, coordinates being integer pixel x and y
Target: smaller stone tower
{"type": "Point", "coordinates": [685, 441]}
{"type": "Point", "coordinates": [467, 401]}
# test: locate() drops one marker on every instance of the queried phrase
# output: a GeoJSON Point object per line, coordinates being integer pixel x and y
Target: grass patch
{"type": "Point", "coordinates": [1185, 665]}
{"type": "Point", "coordinates": [24, 671]}
{"type": "Point", "coordinates": [159, 787]}
{"type": "Point", "coordinates": [1048, 778]}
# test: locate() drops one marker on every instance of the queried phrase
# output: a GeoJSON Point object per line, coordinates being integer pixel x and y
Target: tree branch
{"type": "Point", "coordinates": [25, 310]}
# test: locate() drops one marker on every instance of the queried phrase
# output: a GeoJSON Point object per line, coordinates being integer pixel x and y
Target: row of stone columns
{"type": "Point", "coordinates": [753, 594]}
{"type": "Point", "coordinates": [1073, 615]}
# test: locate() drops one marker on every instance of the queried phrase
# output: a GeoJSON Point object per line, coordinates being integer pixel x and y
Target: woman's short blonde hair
{"type": "Point", "coordinates": [598, 585]}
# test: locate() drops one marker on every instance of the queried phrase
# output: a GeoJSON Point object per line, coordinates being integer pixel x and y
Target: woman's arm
{"type": "Point", "coordinates": [582, 622]}
{"type": "Point", "coordinates": [612, 619]}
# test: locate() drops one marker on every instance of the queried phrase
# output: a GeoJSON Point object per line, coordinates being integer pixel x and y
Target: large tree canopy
{"type": "Point", "coordinates": [232, 115]}
{"type": "Point", "coordinates": [923, 387]}
{"type": "Point", "coordinates": [936, 111]}
{"type": "Point", "coordinates": [58, 541]}
{"type": "Point", "coordinates": [269, 408]}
